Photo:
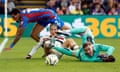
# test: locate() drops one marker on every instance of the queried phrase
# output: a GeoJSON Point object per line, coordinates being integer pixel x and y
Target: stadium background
{"type": "Point", "coordinates": [105, 25]}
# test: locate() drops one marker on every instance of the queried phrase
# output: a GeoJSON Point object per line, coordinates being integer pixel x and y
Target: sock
{"type": "Point", "coordinates": [78, 30]}
{"type": "Point", "coordinates": [34, 49]}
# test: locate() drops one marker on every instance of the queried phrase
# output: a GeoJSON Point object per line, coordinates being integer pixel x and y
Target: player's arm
{"type": "Point", "coordinates": [107, 57]}
{"type": "Point", "coordinates": [65, 51]}
{"type": "Point", "coordinates": [18, 36]}
{"type": "Point", "coordinates": [108, 49]}
{"type": "Point", "coordinates": [19, 32]}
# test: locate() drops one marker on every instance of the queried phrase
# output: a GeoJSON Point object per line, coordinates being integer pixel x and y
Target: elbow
{"type": "Point", "coordinates": [112, 48]}
{"type": "Point", "coordinates": [18, 37]}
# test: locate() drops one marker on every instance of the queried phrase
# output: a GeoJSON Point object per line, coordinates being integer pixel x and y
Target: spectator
{"type": "Point", "coordinates": [118, 8]}
{"type": "Point", "coordinates": [85, 9]}
{"type": "Point", "coordinates": [98, 1]}
{"type": "Point", "coordinates": [77, 10]}
{"type": "Point", "coordinates": [10, 5]}
{"type": "Point", "coordinates": [57, 3]}
{"type": "Point", "coordinates": [64, 3]}
{"type": "Point", "coordinates": [98, 10]}
{"type": "Point", "coordinates": [113, 11]}
{"type": "Point", "coordinates": [59, 11]}
{"type": "Point", "coordinates": [51, 5]}
{"type": "Point", "coordinates": [65, 10]}
{"type": "Point", "coordinates": [64, 6]}
{"type": "Point", "coordinates": [2, 6]}
{"type": "Point", "coordinates": [71, 6]}
{"type": "Point", "coordinates": [109, 4]}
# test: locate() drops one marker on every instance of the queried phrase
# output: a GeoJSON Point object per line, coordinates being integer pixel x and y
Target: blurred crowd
{"type": "Point", "coordinates": [75, 7]}
{"type": "Point", "coordinates": [85, 7]}
{"type": "Point", "coordinates": [10, 6]}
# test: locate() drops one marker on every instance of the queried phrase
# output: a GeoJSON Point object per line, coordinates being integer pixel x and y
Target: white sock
{"type": "Point", "coordinates": [34, 49]}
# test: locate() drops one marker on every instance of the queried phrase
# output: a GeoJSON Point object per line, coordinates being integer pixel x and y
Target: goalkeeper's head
{"type": "Point", "coordinates": [88, 48]}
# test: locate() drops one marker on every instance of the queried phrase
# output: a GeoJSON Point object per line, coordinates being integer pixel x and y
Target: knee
{"type": "Point", "coordinates": [33, 35]}
{"type": "Point", "coordinates": [66, 27]}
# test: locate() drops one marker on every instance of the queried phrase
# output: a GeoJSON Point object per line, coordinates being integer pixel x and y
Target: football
{"type": "Point", "coordinates": [51, 59]}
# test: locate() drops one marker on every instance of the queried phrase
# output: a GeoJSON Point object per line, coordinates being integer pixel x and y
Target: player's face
{"type": "Point", "coordinates": [16, 17]}
{"type": "Point", "coordinates": [89, 50]}
{"type": "Point", "coordinates": [53, 30]}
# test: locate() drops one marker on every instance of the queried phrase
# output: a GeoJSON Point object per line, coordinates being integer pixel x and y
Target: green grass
{"type": "Point", "coordinates": [14, 60]}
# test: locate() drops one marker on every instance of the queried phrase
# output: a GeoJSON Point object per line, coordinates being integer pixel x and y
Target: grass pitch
{"type": "Point", "coordinates": [14, 60]}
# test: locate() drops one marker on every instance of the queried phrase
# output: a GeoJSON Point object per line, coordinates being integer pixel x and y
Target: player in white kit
{"type": "Point", "coordinates": [53, 38]}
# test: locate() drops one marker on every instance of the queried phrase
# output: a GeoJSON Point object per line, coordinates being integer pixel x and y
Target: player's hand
{"type": "Point", "coordinates": [106, 58]}
{"type": "Point", "coordinates": [49, 45]}
{"type": "Point", "coordinates": [7, 49]}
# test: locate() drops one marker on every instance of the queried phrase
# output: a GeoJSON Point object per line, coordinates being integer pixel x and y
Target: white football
{"type": "Point", "coordinates": [51, 59]}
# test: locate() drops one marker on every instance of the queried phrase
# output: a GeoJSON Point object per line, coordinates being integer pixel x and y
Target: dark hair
{"type": "Point", "coordinates": [86, 44]}
{"type": "Point", "coordinates": [15, 11]}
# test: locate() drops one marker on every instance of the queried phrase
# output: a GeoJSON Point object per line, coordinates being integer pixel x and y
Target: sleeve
{"type": "Point", "coordinates": [64, 50]}
{"type": "Point", "coordinates": [91, 59]}
{"type": "Point", "coordinates": [24, 22]}
{"type": "Point", "coordinates": [41, 41]}
{"type": "Point", "coordinates": [108, 49]}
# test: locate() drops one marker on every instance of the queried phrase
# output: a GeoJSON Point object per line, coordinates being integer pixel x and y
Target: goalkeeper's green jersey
{"type": "Point", "coordinates": [80, 54]}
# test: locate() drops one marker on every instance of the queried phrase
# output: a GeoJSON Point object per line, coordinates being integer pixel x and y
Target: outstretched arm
{"type": "Point", "coordinates": [108, 49]}
{"type": "Point", "coordinates": [20, 30]}
{"type": "Point", "coordinates": [17, 38]}
{"type": "Point", "coordinates": [65, 51]}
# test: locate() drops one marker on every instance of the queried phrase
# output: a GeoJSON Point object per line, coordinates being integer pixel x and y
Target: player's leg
{"type": "Point", "coordinates": [48, 51]}
{"type": "Point", "coordinates": [84, 32]}
{"type": "Point", "coordinates": [65, 27]}
{"type": "Point", "coordinates": [80, 31]}
{"type": "Point", "coordinates": [33, 51]}
{"type": "Point", "coordinates": [70, 43]}
{"type": "Point", "coordinates": [36, 30]}
{"type": "Point", "coordinates": [88, 37]}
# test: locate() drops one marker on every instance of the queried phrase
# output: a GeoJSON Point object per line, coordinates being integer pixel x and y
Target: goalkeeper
{"type": "Point", "coordinates": [90, 52]}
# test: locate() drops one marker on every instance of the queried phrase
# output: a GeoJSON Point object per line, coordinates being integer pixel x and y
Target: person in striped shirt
{"type": "Point", "coordinates": [41, 16]}
{"type": "Point", "coordinates": [53, 38]}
